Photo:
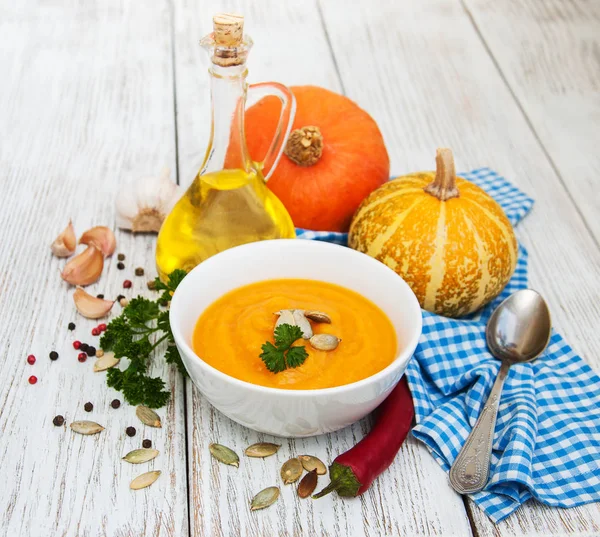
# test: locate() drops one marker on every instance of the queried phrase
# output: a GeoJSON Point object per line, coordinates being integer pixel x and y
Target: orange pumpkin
{"type": "Point", "coordinates": [335, 156]}
{"type": "Point", "coordinates": [445, 236]}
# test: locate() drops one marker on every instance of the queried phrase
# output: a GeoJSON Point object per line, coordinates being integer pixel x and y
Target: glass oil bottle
{"type": "Point", "coordinates": [228, 203]}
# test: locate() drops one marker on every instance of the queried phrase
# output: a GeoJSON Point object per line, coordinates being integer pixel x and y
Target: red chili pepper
{"type": "Point", "coordinates": [353, 472]}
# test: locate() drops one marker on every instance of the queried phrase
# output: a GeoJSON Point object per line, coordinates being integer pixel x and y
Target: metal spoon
{"type": "Point", "coordinates": [518, 331]}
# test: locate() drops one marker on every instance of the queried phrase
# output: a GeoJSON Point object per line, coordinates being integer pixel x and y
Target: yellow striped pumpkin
{"type": "Point", "coordinates": [445, 236]}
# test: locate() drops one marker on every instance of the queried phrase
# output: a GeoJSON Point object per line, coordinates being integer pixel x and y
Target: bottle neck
{"type": "Point", "coordinates": [228, 100]}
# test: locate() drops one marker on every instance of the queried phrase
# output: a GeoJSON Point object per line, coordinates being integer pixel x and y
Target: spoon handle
{"type": "Point", "coordinates": [471, 469]}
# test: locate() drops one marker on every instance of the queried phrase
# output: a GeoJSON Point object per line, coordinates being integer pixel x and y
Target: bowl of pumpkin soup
{"type": "Point", "coordinates": [294, 337]}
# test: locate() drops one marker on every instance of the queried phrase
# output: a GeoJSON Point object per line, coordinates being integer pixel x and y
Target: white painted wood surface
{"type": "Point", "coordinates": [548, 54]}
{"type": "Point", "coordinates": [86, 103]}
{"type": "Point", "coordinates": [90, 101]}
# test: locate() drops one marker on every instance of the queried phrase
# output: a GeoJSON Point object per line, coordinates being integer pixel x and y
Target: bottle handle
{"type": "Point", "coordinates": [286, 118]}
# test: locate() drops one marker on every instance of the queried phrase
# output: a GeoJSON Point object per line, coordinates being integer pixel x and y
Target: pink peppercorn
{"type": "Point", "coordinates": [32, 379]}
{"type": "Point", "coordinates": [127, 284]}
{"type": "Point", "coordinates": [76, 344]}
{"type": "Point", "coordinates": [82, 356]}
{"type": "Point", "coordinates": [95, 332]}
{"type": "Point", "coordinates": [31, 359]}
{"type": "Point", "coordinates": [102, 327]}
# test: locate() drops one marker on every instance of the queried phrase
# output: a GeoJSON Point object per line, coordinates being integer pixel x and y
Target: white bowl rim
{"type": "Point", "coordinates": [402, 358]}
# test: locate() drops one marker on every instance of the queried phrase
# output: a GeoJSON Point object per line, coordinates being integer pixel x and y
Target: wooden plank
{"type": "Point", "coordinates": [413, 497]}
{"type": "Point", "coordinates": [86, 103]}
{"type": "Point", "coordinates": [548, 54]}
{"type": "Point", "coordinates": [429, 82]}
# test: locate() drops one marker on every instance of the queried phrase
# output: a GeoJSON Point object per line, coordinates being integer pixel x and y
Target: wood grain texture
{"type": "Point", "coordinates": [86, 103]}
{"type": "Point", "coordinates": [413, 497]}
{"type": "Point", "coordinates": [430, 83]}
{"type": "Point", "coordinates": [549, 54]}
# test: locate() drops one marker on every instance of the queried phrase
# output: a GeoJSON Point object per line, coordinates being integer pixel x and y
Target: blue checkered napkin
{"type": "Point", "coordinates": [547, 438]}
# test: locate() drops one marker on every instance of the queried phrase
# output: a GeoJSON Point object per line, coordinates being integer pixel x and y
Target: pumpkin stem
{"type": "Point", "coordinates": [443, 187]}
{"type": "Point", "coordinates": [304, 146]}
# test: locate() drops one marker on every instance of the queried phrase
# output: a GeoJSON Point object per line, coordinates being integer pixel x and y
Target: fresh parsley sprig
{"type": "Point", "coordinates": [135, 334]}
{"type": "Point", "coordinates": [284, 354]}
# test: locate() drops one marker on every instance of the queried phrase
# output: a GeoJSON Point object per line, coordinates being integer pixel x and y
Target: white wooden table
{"type": "Point", "coordinates": [95, 93]}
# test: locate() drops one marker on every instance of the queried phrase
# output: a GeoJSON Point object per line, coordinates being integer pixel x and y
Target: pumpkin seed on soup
{"type": "Point", "coordinates": [224, 454]}
{"type": "Point", "coordinates": [262, 450]}
{"type": "Point", "coordinates": [317, 316]}
{"type": "Point", "coordinates": [291, 471]}
{"type": "Point", "coordinates": [310, 463]}
{"type": "Point", "coordinates": [324, 342]}
{"type": "Point", "coordinates": [264, 498]}
{"type": "Point", "coordinates": [303, 324]}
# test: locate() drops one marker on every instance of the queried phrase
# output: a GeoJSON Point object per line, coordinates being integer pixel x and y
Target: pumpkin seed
{"type": "Point", "coordinates": [224, 454]}
{"type": "Point", "coordinates": [303, 324]}
{"type": "Point", "coordinates": [317, 316]}
{"type": "Point", "coordinates": [285, 317]}
{"type": "Point", "coordinates": [308, 484]}
{"type": "Point", "coordinates": [262, 450]}
{"type": "Point", "coordinates": [144, 480]}
{"type": "Point", "coordinates": [138, 456]}
{"type": "Point", "coordinates": [325, 342]}
{"type": "Point", "coordinates": [291, 471]}
{"type": "Point", "coordinates": [264, 498]}
{"type": "Point", "coordinates": [86, 427]}
{"type": "Point", "coordinates": [148, 416]}
{"type": "Point", "coordinates": [107, 361]}
{"type": "Point", "coordinates": [310, 463]}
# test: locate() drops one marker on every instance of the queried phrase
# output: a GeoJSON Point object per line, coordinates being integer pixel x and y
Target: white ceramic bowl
{"type": "Point", "coordinates": [294, 412]}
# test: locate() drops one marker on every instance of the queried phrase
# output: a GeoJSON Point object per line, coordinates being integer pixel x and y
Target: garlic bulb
{"type": "Point", "coordinates": [143, 204]}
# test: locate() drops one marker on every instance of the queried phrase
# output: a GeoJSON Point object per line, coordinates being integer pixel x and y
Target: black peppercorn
{"type": "Point", "coordinates": [120, 265]}
{"type": "Point", "coordinates": [88, 407]}
{"type": "Point", "coordinates": [58, 420]}
{"type": "Point", "coordinates": [139, 271]}
{"type": "Point", "coordinates": [53, 355]}
{"type": "Point", "coordinates": [151, 285]}
{"type": "Point", "coordinates": [115, 403]}
{"type": "Point", "coordinates": [130, 431]}
{"type": "Point", "coordinates": [71, 326]}
{"type": "Point", "coordinates": [121, 257]}
{"type": "Point", "coordinates": [84, 347]}
{"type": "Point", "coordinates": [91, 351]}
{"type": "Point", "coordinates": [100, 296]}
{"type": "Point", "coordinates": [147, 443]}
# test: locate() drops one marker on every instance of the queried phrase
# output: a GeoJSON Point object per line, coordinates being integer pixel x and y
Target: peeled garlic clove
{"type": "Point", "coordinates": [84, 268]}
{"type": "Point", "coordinates": [143, 204]}
{"type": "Point", "coordinates": [303, 324]}
{"type": "Point", "coordinates": [90, 306]}
{"type": "Point", "coordinates": [64, 244]}
{"type": "Point", "coordinates": [102, 238]}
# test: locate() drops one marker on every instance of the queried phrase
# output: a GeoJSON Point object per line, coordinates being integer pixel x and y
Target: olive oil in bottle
{"type": "Point", "coordinates": [228, 203]}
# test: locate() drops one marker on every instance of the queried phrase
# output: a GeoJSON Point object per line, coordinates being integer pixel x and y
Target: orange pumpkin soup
{"type": "Point", "coordinates": [230, 333]}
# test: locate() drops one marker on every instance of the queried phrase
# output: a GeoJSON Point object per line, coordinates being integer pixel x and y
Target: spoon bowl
{"type": "Point", "coordinates": [520, 327]}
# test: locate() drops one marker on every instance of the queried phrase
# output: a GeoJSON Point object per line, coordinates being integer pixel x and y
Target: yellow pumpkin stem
{"type": "Point", "coordinates": [443, 187]}
{"type": "Point", "coordinates": [304, 146]}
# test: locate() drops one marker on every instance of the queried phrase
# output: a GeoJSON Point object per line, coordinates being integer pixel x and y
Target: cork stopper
{"type": "Point", "coordinates": [228, 40]}
{"type": "Point", "coordinates": [229, 29]}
